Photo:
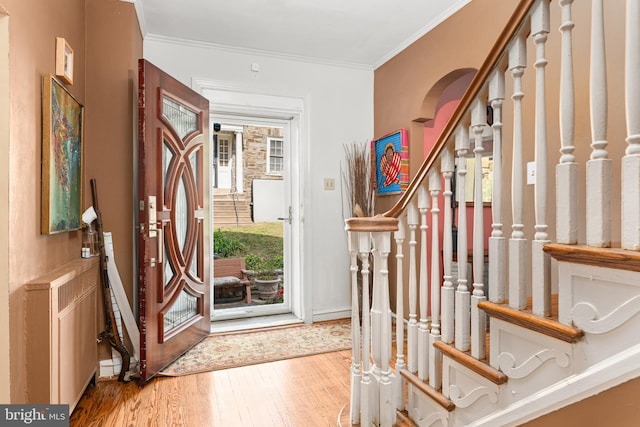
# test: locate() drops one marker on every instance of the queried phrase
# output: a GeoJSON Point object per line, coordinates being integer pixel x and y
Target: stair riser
{"type": "Point", "coordinates": [604, 303]}
{"type": "Point", "coordinates": [530, 360]}
{"type": "Point", "coordinates": [473, 395]}
{"type": "Point", "coordinates": [425, 412]}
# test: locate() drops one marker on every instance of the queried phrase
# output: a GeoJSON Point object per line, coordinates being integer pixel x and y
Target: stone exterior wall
{"type": "Point", "coordinates": [255, 154]}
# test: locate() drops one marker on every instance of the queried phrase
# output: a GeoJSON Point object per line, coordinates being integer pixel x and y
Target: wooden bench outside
{"type": "Point", "coordinates": [230, 273]}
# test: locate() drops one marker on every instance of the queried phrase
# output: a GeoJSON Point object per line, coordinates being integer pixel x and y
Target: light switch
{"type": "Point", "coordinates": [329, 184]}
{"type": "Point", "coordinates": [531, 173]}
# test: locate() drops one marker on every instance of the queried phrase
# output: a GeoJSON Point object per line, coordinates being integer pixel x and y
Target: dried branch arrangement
{"type": "Point", "coordinates": [357, 185]}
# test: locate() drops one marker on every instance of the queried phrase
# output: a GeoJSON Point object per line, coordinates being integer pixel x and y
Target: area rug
{"type": "Point", "coordinates": [223, 351]}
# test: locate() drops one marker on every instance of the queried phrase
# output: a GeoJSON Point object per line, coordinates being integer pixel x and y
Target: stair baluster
{"type": "Point", "coordinates": [517, 242]}
{"type": "Point", "coordinates": [599, 165]}
{"type": "Point", "coordinates": [448, 291]}
{"type": "Point", "coordinates": [367, 386]}
{"type": "Point", "coordinates": [435, 358]}
{"type": "Point", "coordinates": [412, 328]}
{"type": "Point", "coordinates": [631, 160]}
{"type": "Point", "coordinates": [540, 262]}
{"type": "Point", "coordinates": [463, 297]}
{"type": "Point", "coordinates": [567, 169]}
{"type": "Point", "coordinates": [423, 331]}
{"type": "Point", "coordinates": [478, 318]}
{"type": "Point", "coordinates": [497, 243]}
{"type": "Point", "coordinates": [399, 382]}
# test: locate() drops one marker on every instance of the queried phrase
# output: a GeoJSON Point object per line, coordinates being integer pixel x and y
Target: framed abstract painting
{"type": "Point", "coordinates": [62, 151]}
{"type": "Point", "coordinates": [390, 155]}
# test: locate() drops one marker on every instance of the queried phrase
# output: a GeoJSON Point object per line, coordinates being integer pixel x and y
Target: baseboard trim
{"type": "Point", "coordinates": [321, 316]}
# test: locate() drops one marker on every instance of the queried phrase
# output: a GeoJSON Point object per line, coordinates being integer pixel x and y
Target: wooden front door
{"type": "Point", "coordinates": [173, 218]}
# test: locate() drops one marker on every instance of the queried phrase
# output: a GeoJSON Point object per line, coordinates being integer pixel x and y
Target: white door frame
{"type": "Point", "coordinates": [234, 104]}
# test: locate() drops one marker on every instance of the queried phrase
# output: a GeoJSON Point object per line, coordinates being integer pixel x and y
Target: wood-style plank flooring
{"type": "Point", "coordinates": [307, 391]}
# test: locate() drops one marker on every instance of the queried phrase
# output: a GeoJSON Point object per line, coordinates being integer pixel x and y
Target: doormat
{"type": "Point", "coordinates": [223, 351]}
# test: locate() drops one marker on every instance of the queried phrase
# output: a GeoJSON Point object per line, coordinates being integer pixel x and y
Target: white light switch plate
{"type": "Point", "coordinates": [329, 184]}
{"type": "Point", "coordinates": [531, 173]}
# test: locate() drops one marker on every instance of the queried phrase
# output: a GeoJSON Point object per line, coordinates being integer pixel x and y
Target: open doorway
{"type": "Point", "coordinates": [234, 108]}
{"type": "Point", "coordinates": [251, 220]}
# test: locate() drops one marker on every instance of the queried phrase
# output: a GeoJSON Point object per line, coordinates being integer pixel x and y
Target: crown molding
{"type": "Point", "coordinates": [246, 51]}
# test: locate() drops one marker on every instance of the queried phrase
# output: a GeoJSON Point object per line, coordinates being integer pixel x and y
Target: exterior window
{"type": "Point", "coordinates": [275, 156]}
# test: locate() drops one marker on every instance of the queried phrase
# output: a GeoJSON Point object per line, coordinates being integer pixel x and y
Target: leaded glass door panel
{"type": "Point", "coordinates": [173, 245]}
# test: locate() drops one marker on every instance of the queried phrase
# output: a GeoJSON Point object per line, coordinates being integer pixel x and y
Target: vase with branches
{"type": "Point", "coordinates": [358, 197]}
{"type": "Point", "coordinates": [357, 183]}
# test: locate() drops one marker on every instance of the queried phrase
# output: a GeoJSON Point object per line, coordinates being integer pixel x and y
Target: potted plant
{"type": "Point", "coordinates": [266, 273]}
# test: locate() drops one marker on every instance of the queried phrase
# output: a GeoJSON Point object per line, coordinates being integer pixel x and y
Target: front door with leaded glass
{"type": "Point", "coordinates": [173, 219]}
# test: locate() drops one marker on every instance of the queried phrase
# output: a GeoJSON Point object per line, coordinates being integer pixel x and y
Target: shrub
{"type": "Point", "coordinates": [226, 246]}
{"type": "Point", "coordinates": [258, 263]}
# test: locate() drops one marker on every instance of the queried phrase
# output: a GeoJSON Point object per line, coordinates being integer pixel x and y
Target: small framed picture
{"type": "Point", "coordinates": [390, 155]}
{"type": "Point", "coordinates": [64, 60]}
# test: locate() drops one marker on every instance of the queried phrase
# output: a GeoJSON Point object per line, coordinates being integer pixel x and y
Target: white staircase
{"type": "Point", "coordinates": [540, 355]}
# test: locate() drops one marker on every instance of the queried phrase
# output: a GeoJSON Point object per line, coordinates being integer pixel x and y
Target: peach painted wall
{"type": "Point", "coordinates": [34, 25]}
{"type": "Point", "coordinates": [112, 81]}
{"type": "Point", "coordinates": [32, 53]}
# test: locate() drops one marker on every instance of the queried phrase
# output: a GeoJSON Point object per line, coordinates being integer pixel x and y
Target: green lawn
{"type": "Point", "coordinates": [258, 241]}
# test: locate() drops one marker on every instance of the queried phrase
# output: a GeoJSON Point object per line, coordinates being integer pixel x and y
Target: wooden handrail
{"type": "Point", "coordinates": [372, 224]}
{"type": "Point", "coordinates": [491, 61]}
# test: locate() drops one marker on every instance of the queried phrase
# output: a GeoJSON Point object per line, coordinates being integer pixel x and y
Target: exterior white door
{"type": "Point", "coordinates": [272, 201]}
{"type": "Point", "coordinates": [234, 106]}
{"type": "Point", "coordinates": [225, 141]}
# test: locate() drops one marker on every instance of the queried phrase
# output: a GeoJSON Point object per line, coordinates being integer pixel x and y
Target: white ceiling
{"type": "Point", "coordinates": [357, 32]}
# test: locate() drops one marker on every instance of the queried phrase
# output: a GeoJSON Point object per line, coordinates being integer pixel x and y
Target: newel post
{"type": "Point", "coordinates": [373, 235]}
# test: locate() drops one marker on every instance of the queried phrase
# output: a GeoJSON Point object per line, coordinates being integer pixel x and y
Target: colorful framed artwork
{"type": "Point", "coordinates": [62, 151]}
{"type": "Point", "coordinates": [390, 155]}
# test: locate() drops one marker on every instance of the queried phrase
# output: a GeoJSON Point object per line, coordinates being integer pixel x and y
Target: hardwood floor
{"type": "Point", "coordinates": [306, 391]}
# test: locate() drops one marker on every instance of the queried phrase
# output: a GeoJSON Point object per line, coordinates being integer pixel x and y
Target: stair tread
{"type": "Point", "coordinates": [480, 367]}
{"type": "Point", "coordinates": [623, 259]}
{"type": "Point", "coordinates": [544, 325]}
{"type": "Point", "coordinates": [437, 396]}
